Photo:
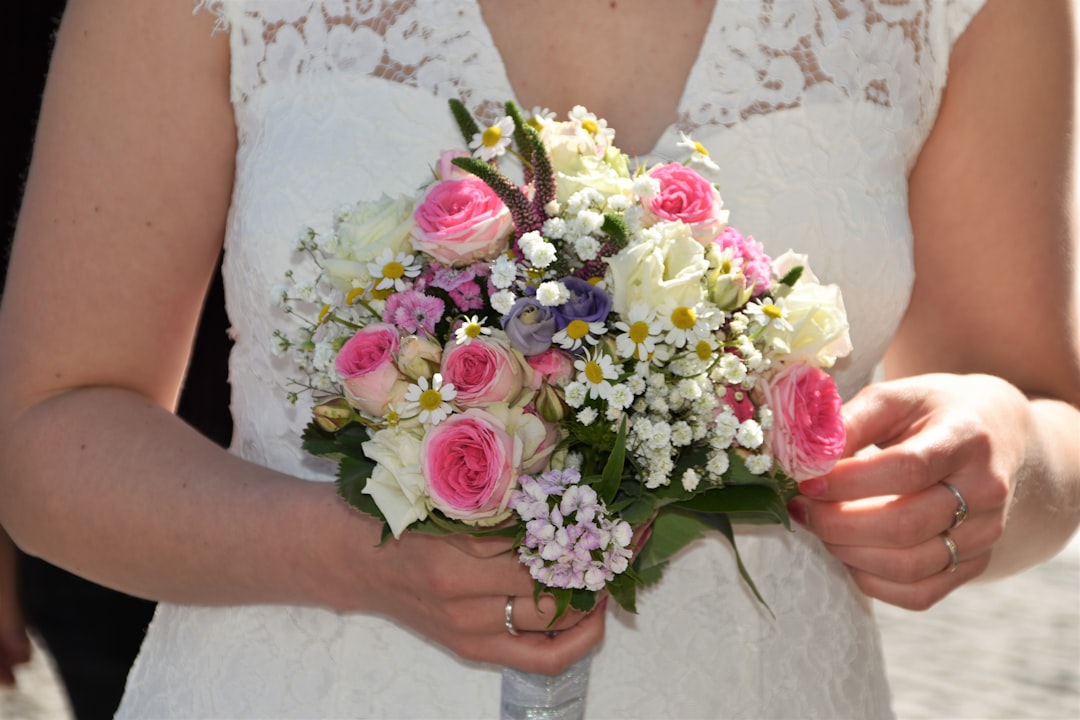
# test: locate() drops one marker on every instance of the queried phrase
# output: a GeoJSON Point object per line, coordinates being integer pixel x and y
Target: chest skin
{"type": "Point", "coordinates": [625, 60]}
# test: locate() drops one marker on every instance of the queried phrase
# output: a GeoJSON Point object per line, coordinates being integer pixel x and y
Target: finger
{"type": "Point", "coordinates": [923, 460]}
{"type": "Point", "coordinates": [879, 414]}
{"type": "Point", "coordinates": [925, 593]}
{"type": "Point", "coordinates": [919, 562]}
{"type": "Point", "coordinates": [539, 616]}
{"type": "Point", "coordinates": [886, 521]}
{"type": "Point", "coordinates": [540, 652]}
{"type": "Point", "coordinates": [481, 547]}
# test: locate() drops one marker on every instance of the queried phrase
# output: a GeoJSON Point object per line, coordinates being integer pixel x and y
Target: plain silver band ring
{"type": "Point", "coordinates": [954, 554]}
{"type": "Point", "coordinates": [509, 612]}
{"type": "Point", "coordinates": [961, 508]}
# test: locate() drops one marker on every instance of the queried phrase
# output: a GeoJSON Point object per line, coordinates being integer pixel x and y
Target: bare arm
{"type": "Point", "coordinates": [122, 221]}
{"type": "Point", "coordinates": [985, 368]}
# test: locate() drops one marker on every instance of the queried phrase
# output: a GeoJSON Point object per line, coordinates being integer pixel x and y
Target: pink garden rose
{"type": "Point", "coordinates": [461, 221]}
{"type": "Point", "coordinates": [485, 371]}
{"type": "Point", "coordinates": [685, 195]}
{"type": "Point", "coordinates": [469, 462]}
{"type": "Point", "coordinates": [366, 366]}
{"type": "Point", "coordinates": [807, 436]}
{"type": "Point", "coordinates": [553, 366]}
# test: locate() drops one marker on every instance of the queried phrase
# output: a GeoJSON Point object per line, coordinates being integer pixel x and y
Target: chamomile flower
{"type": "Point", "coordinates": [391, 271]}
{"type": "Point", "coordinates": [639, 333]}
{"type": "Point", "coordinates": [595, 372]}
{"type": "Point", "coordinates": [431, 399]}
{"type": "Point", "coordinates": [577, 333]}
{"type": "Point", "coordinates": [765, 313]}
{"type": "Point", "coordinates": [683, 325]}
{"type": "Point", "coordinates": [699, 154]}
{"type": "Point", "coordinates": [470, 329]}
{"type": "Point", "coordinates": [493, 141]}
{"type": "Point", "coordinates": [540, 117]}
{"type": "Point", "coordinates": [594, 126]}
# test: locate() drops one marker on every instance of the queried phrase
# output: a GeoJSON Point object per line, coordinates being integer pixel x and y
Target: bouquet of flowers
{"type": "Point", "coordinates": [547, 344]}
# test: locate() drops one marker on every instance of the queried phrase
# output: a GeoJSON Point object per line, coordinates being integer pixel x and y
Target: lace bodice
{"type": "Point", "coordinates": [815, 110]}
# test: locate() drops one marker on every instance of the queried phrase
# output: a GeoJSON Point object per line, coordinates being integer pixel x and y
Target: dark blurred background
{"type": "Point", "coordinates": [92, 633]}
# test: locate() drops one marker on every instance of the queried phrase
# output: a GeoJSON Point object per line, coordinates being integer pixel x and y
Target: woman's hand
{"type": "Point", "coordinates": [454, 589]}
{"type": "Point", "coordinates": [886, 514]}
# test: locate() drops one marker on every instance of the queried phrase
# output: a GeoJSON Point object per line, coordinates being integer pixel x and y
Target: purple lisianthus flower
{"type": "Point", "coordinates": [530, 325]}
{"type": "Point", "coordinates": [587, 302]}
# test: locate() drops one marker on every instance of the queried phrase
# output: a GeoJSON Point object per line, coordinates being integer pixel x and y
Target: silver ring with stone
{"type": "Point", "coordinates": [509, 616]}
{"type": "Point", "coordinates": [961, 507]}
{"type": "Point", "coordinates": [954, 554]}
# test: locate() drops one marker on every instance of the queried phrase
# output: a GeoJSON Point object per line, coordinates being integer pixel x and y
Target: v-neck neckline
{"type": "Point", "coordinates": [688, 82]}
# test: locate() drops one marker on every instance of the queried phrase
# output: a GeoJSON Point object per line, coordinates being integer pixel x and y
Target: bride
{"type": "Point", "coordinates": [919, 152]}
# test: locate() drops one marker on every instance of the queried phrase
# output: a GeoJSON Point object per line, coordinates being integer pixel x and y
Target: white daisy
{"type": "Point", "coordinates": [699, 154]}
{"type": "Point", "coordinates": [390, 270]}
{"type": "Point", "coordinates": [470, 329]}
{"type": "Point", "coordinates": [640, 333]}
{"type": "Point", "coordinates": [493, 141]}
{"type": "Point", "coordinates": [432, 400]}
{"type": "Point", "coordinates": [578, 332]}
{"type": "Point", "coordinates": [595, 372]}
{"type": "Point", "coordinates": [684, 326]}
{"type": "Point", "coordinates": [594, 126]}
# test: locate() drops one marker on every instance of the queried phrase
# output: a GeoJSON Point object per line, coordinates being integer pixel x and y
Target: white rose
{"type": "Point", "coordinates": [374, 226]}
{"type": "Point", "coordinates": [667, 266]}
{"type": "Point", "coordinates": [817, 314]}
{"type": "Point", "coordinates": [396, 484]}
{"type": "Point", "coordinates": [579, 163]}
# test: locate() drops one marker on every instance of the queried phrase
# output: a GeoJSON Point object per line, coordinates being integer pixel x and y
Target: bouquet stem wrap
{"type": "Point", "coordinates": [532, 696]}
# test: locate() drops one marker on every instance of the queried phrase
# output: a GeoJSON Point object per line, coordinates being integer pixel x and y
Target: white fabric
{"type": "Point", "coordinates": [815, 110]}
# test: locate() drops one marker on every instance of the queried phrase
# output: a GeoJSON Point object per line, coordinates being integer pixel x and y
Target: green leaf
{"type": "Point", "coordinates": [623, 589]}
{"type": "Point", "coordinates": [352, 477]}
{"type": "Point", "coordinates": [672, 530]}
{"type": "Point", "coordinates": [464, 120]}
{"type": "Point", "coordinates": [347, 441]}
{"type": "Point", "coordinates": [583, 600]}
{"type": "Point", "coordinates": [746, 503]}
{"type": "Point", "coordinates": [792, 276]}
{"type": "Point", "coordinates": [723, 524]}
{"type": "Point", "coordinates": [562, 599]}
{"type": "Point", "coordinates": [613, 470]}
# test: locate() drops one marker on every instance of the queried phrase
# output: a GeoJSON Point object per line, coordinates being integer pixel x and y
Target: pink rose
{"type": "Point", "coordinates": [469, 462]}
{"type": "Point", "coordinates": [685, 195]}
{"type": "Point", "coordinates": [485, 371]}
{"type": "Point", "coordinates": [460, 221]}
{"type": "Point", "coordinates": [365, 364]}
{"type": "Point", "coordinates": [447, 169]}
{"type": "Point", "coordinates": [807, 436]}
{"type": "Point", "coordinates": [553, 366]}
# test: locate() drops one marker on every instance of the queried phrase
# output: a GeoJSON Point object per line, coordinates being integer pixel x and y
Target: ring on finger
{"type": "Point", "coordinates": [509, 616]}
{"type": "Point", "coordinates": [954, 554]}
{"type": "Point", "coordinates": [961, 512]}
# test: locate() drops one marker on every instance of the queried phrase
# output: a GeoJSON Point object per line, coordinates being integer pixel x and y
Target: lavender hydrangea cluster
{"type": "Point", "coordinates": [570, 539]}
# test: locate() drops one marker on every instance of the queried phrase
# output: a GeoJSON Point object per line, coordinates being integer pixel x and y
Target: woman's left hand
{"type": "Point", "coordinates": [890, 515]}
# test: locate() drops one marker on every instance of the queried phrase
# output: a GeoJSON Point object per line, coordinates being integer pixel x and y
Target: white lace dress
{"type": "Point", "coordinates": [815, 110]}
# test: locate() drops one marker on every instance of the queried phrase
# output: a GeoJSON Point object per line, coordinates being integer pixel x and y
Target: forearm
{"type": "Point", "coordinates": [1045, 510]}
{"type": "Point", "coordinates": [114, 488]}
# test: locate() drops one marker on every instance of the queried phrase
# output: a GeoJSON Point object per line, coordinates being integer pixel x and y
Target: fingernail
{"type": "Point", "coordinates": [797, 512]}
{"type": "Point", "coordinates": [815, 487]}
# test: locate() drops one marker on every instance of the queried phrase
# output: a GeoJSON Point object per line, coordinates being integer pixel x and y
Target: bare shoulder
{"type": "Point", "coordinates": [993, 201]}
{"type": "Point", "coordinates": [125, 202]}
